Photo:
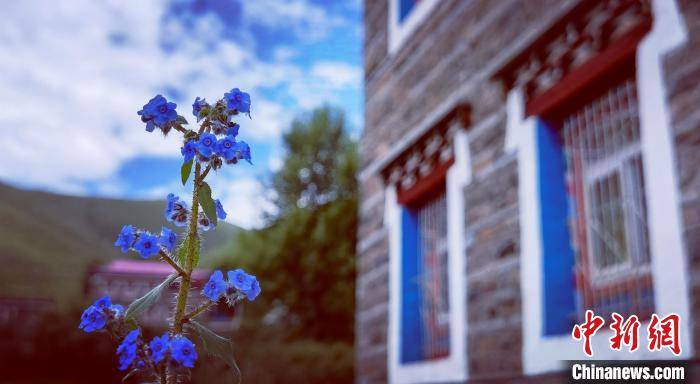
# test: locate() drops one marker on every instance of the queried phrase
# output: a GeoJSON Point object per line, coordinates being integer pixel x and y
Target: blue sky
{"type": "Point", "coordinates": [73, 74]}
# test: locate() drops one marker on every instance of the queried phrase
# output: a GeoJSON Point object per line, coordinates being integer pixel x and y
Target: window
{"type": "Point", "coordinates": [405, 8]}
{"type": "Point", "coordinates": [425, 320]}
{"type": "Point", "coordinates": [404, 18]}
{"type": "Point", "coordinates": [608, 214]}
{"type": "Point", "coordinates": [599, 217]}
{"type": "Point", "coordinates": [424, 216]}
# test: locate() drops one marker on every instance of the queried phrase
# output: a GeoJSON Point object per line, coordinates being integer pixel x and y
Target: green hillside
{"type": "Point", "coordinates": [47, 241]}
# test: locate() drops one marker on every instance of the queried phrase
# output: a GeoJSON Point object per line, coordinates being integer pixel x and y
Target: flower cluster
{"type": "Point", "coordinates": [240, 284]}
{"type": "Point", "coordinates": [99, 314]}
{"type": "Point", "coordinates": [128, 349]}
{"type": "Point", "coordinates": [158, 113]}
{"type": "Point", "coordinates": [145, 243]}
{"type": "Point", "coordinates": [162, 349]}
{"type": "Point", "coordinates": [178, 212]}
{"type": "Point", "coordinates": [179, 348]}
{"type": "Point", "coordinates": [217, 142]}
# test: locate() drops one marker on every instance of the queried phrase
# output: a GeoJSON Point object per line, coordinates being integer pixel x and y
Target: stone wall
{"type": "Point", "coordinates": [682, 69]}
{"type": "Point", "coordinates": [449, 60]}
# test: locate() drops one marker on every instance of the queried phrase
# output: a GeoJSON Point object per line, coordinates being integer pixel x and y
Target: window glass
{"type": "Point", "coordinates": [425, 320]}
{"type": "Point", "coordinates": [605, 183]}
{"type": "Point", "coordinates": [405, 8]}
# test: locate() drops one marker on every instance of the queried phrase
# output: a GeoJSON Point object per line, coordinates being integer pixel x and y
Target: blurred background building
{"type": "Point", "coordinates": [522, 162]}
{"type": "Point", "coordinates": [126, 280]}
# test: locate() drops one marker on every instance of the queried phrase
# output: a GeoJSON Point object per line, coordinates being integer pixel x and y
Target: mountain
{"type": "Point", "coordinates": [48, 241]}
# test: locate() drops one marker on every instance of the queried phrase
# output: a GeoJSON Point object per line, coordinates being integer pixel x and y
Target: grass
{"type": "Point", "coordinates": [48, 241]}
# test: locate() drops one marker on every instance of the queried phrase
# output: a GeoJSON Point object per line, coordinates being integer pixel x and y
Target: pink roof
{"type": "Point", "coordinates": [137, 267]}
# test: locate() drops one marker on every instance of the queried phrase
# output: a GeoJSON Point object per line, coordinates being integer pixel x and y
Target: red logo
{"type": "Point", "coordinates": [625, 332]}
{"type": "Point", "coordinates": [586, 330]}
{"type": "Point", "coordinates": [665, 333]}
{"type": "Point", "coordinates": [662, 332]}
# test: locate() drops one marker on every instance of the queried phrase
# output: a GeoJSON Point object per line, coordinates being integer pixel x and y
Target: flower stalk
{"type": "Point", "coordinates": [167, 358]}
{"type": "Point", "coordinates": [189, 265]}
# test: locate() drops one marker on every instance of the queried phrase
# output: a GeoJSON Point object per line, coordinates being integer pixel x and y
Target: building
{"type": "Point", "coordinates": [522, 162]}
{"type": "Point", "coordinates": [126, 280]}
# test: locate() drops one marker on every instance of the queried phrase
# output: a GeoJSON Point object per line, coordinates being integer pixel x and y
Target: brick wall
{"type": "Point", "coordinates": [682, 69]}
{"type": "Point", "coordinates": [449, 60]}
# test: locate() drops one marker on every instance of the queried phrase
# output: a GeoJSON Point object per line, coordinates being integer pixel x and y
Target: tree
{"type": "Point", "coordinates": [306, 253]}
{"type": "Point", "coordinates": [320, 163]}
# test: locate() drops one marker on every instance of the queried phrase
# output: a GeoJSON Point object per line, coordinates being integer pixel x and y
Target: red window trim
{"type": "Point", "coordinates": [425, 187]}
{"type": "Point", "coordinates": [621, 50]}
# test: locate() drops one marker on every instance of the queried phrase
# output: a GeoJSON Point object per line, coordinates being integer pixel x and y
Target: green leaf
{"type": "Point", "coordinates": [182, 252]}
{"type": "Point", "coordinates": [181, 120]}
{"type": "Point", "coordinates": [186, 170]}
{"type": "Point", "coordinates": [216, 345]}
{"type": "Point", "coordinates": [141, 305]}
{"type": "Point", "coordinates": [207, 202]}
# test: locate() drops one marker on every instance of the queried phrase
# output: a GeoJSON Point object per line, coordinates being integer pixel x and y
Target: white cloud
{"type": "Point", "coordinates": [306, 20]}
{"type": "Point", "coordinates": [243, 199]}
{"type": "Point", "coordinates": [70, 97]}
{"type": "Point", "coordinates": [337, 74]}
{"type": "Point", "coordinates": [285, 53]}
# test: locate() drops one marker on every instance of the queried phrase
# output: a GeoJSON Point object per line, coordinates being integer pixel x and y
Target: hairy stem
{"type": "Point", "coordinates": [197, 311]}
{"type": "Point", "coordinates": [205, 173]}
{"type": "Point", "coordinates": [165, 257]}
{"type": "Point", "coordinates": [189, 265]}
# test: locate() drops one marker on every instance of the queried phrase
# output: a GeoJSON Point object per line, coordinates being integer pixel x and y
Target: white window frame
{"type": "Point", "coordinates": [454, 366]}
{"type": "Point", "coordinates": [541, 353]}
{"type": "Point", "coordinates": [399, 31]}
{"type": "Point", "coordinates": [616, 164]}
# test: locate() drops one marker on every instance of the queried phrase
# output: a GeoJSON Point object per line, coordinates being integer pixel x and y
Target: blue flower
{"type": "Point", "coordinates": [167, 239]}
{"type": "Point", "coordinates": [225, 147]}
{"type": "Point", "coordinates": [245, 283]}
{"type": "Point", "coordinates": [132, 337]}
{"type": "Point", "coordinates": [147, 245]}
{"type": "Point", "coordinates": [117, 309]}
{"type": "Point", "coordinates": [203, 222]}
{"type": "Point", "coordinates": [238, 101]}
{"type": "Point", "coordinates": [127, 349]}
{"type": "Point", "coordinates": [171, 199]}
{"type": "Point", "coordinates": [232, 129]}
{"type": "Point", "coordinates": [102, 303]}
{"type": "Point", "coordinates": [197, 106]}
{"type": "Point", "coordinates": [158, 111]}
{"type": "Point", "coordinates": [215, 287]}
{"type": "Point", "coordinates": [206, 145]}
{"type": "Point", "coordinates": [243, 151]}
{"type": "Point", "coordinates": [189, 150]}
{"type": "Point", "coordinates": [240, 280]}
{"type": "Point", "coordinates": [159, 347]}
{"type": "Point", "coordinates": [220, 213]}
{"type": "Point", "coordinates": [183, 351]}
{"type": "Point", "coordinates": [218, 128]}
{"type": "Point", "coordinates": [92, 319]}
{"type": "Point", "coordinates": [254, 290]}
{"type": "Point", "coordinates": [176, 211]}
{"type": "Point", "coordinates": [147, 118]}
{"type": "Point", "coordinates": [126, 238]}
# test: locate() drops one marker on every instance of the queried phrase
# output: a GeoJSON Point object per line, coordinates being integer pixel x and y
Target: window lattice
{"type": "Point", "coordinates": [432, 277]}
{"type": "Point", "coordinates": [607, 212]}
